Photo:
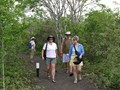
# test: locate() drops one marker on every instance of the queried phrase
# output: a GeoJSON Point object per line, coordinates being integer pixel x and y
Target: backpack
{"type": "Point", "coordinates": [29, 45]}
{"type": "Point", "coordinates": [45, 51]}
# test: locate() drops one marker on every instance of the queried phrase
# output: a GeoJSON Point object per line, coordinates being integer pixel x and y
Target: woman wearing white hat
{"type": "Point", "coordinates": [32, 48]}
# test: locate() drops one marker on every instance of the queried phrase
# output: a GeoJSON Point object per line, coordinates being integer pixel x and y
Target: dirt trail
{"type": "Point", "coordinates": [63, 80]}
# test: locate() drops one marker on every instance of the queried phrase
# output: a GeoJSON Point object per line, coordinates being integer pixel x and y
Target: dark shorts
{"type": "Point", "coordinates": [50, 60]}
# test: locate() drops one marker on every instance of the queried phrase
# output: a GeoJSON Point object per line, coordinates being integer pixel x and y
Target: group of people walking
{"type": "Point", "coordinates": [68, 48]}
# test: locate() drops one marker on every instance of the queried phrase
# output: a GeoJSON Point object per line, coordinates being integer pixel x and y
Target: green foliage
{"type": "Point", "coordinates": [11, 40]}
{"type": "Point", "coordinates": [16, 77]}
{"type": "Point", "coordinates": [45, 28]}
{"type": "Point", "coordinates": [99, 33]}
{"type": "Point", "coordinates": [97, 27]}
{"type": "Point", "coordinates": [76, 28]}
{"type": "Point", "coordinates": [102, 47]}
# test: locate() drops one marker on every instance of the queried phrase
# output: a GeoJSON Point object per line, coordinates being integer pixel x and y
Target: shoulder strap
{"type": "Point", "coordinates": [46, 46]}
{"type": "Point", "coordinates": [76, 52]}
{"type": "Point", "coordinates": [74, 48]}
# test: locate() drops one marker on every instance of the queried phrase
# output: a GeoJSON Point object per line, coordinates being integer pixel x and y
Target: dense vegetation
{"type": "Point", "coordinates": [99, 32]}
{"type": "Point", "coordinates": [102, 46]}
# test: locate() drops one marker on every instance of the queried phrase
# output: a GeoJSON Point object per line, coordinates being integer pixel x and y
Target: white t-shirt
{"type": "Point", "coordinates": [33, 44]}
{"type": "Point", "coordinates": [51, 50]}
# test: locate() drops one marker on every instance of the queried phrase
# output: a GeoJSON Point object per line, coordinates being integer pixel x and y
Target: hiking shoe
{"type": "Point", "coordinates": [71, 74]}
{"type": "Point", "coordinates": [48, 76]}
{"type": "Point", "coordinates": [56, 71]}
{"type": "Point", "coordinates": [53, 81]}
{"type": "Point", "coordinates": [32, 61]}
{"type": "Point", "coordinates": [79, 78]}
{"type": "Point", "coordinates": [67, 71]}
{"type": "Point", "coordinates": [75, 81]}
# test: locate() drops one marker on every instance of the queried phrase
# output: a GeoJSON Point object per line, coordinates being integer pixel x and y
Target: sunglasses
{"type": "Point", "coordinates": [68, 35]}
{"type": "Point", "coordinates": [74, 40]}
{"type": "Point", "coordinates": [50, 39]}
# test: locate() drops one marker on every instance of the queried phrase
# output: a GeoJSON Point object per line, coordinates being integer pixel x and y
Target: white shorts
{"type": "Point", "coordinates": [65, 58]}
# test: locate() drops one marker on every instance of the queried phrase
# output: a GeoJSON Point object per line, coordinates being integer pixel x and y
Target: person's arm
{"type": "Point", "coordinates": [61, 48]}
{"type": "Point", "coordinates": [70, 51]}
{"type": "Point", "coordinates": [56, 54]}
{"type": "Point", "coordinates": [34, 45]}
{"type": "Point", "coordinates": [43, 51]}
{"type": "Point", "coordinates": [43, 54]}
{"type": "Point", "coordinates": [82, 51]}
{"type": "Point", "coordinates": [56, 51]}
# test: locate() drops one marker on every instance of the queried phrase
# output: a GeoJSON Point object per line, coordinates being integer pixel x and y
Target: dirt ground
{"type": "Point", "coordinates": [63, 80]}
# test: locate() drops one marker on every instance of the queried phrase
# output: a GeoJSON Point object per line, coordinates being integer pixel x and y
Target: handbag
{"type": "Point", "coordinates": [44, 54]}
{"type": "Point", "coordinates": [77, 57]}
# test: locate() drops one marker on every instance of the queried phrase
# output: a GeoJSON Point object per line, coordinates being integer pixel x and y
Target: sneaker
{"type": "Point", "coordinates": [48, 76]}
{"type": "Point", "coordinates": [32, 61]}
{"type": "Point", "coordinates": [80, 78]}
{"type": "Point", "coordinates": [71, 74]}
{"type": "Point", "coordinates": [75, 81]}
{"type": "Point", "coordinates": [67, 71]}
{"type": "Point", "coordinates": [53, 81]}
{"type": "Point", "coordinates": [56, 71]}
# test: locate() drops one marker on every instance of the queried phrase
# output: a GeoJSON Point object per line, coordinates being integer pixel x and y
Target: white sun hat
{"type": "Point", "coordinates": [68, 33]}
{"type": "Point", "coordinates": [32, 37]}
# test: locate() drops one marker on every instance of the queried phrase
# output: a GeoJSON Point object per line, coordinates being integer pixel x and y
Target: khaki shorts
{"type": "Point", "coordinates": [32, 51]}
{"type": "Point", "coordinates": [73, 59]}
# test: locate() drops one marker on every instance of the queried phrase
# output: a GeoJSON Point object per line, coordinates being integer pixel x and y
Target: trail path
{"type": "Point", "coordinates": [63, 80]}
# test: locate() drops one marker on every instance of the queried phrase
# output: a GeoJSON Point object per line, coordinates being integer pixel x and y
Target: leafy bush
{"type": "Point", "coordinates": [102, 45]}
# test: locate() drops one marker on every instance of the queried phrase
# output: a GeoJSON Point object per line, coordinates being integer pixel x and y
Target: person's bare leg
{"type": "Point", "coordinates": [75, 74]}
{"type": "Point", "coordinates": [48, 70]}
{"type": "Point", "coordinates": [31, 55]}
{"type": "Point", "coordinates": [53, 72]}
{"type": "Point", "coordinates": [67, 67]}
{"type": "Point", "coordinates": [79, 72]}
{"type": "Point", "coordinates": [71, 70]}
